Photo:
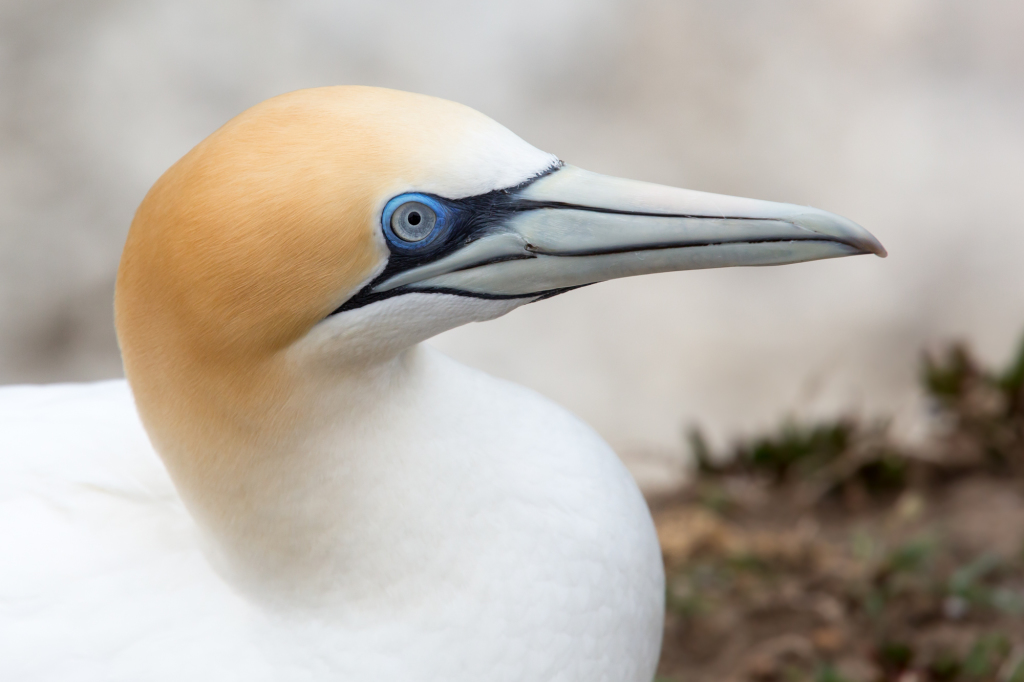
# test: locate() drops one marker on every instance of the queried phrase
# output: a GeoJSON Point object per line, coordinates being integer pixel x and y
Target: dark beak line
{"type": "Point", "coordinates": [523, 205]}
{"type": "Point", "coordinates": [536, 252]}
{"type": "Point", "coordinates": [372, 297]}
{"type": "Point", "coordinates": [513, 224]}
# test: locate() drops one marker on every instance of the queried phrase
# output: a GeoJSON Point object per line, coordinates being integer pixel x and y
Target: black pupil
{"type": "Point", "coordinates": [414, 218]}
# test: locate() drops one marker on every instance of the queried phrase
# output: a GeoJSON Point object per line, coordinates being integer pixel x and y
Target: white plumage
{"type": "Point", "coordinates": [328, 498]}
{"type": "Point", "coordinates": [104, 577]}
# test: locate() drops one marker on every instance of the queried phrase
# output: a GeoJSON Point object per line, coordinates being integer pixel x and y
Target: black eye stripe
{"type": "Point", "coordinates": [469, 219]}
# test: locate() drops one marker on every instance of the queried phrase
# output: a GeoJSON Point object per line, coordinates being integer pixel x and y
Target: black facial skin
{"type": "Point", "coordinates": [471, 218]}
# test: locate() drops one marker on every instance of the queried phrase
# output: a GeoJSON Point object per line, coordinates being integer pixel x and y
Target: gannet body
{"type": "Point", "coordinates": [294, 487]}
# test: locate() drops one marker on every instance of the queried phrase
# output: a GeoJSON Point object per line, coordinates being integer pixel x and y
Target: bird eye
{"type": "Point", "coordinates": [412, 221]}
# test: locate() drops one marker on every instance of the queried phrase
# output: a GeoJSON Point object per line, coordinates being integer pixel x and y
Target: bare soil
{"type": "Point", "coordinates": [827, 553]}
{"type": "Point", "coordinates": [923, 586]}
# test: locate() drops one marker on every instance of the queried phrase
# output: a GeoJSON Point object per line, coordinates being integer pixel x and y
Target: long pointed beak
{"type": "Point", "coordinates": [571, 227]}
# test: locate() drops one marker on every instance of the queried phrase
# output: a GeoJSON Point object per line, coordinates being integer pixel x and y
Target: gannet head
{"type": "Point", "coordinates": [327, 230]}
{"type": "Point", "coordinates": [322, 202]}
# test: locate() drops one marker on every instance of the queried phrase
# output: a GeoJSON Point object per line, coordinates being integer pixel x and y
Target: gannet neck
{"type": "Point", "coordinates": [331, 494]}
{"type": "Point", "coordinates": [401, 481]}
{"type": "Point", "coordinates": [296, 509]}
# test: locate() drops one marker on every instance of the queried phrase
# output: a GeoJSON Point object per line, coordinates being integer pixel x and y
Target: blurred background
{"type": "Point", "coordinates": [904, 115]}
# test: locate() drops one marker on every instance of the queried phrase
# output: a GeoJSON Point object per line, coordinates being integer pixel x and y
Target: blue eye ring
{"type": "Point", "coordinates": [440, 227]}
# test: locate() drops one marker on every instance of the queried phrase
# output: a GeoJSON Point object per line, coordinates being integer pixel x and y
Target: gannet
{"type": "Point", "coordinates": [325, 498]}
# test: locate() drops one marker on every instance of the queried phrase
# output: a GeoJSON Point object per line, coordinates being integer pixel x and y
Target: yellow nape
{"type": "Point", "coordinates": [255, 235]}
